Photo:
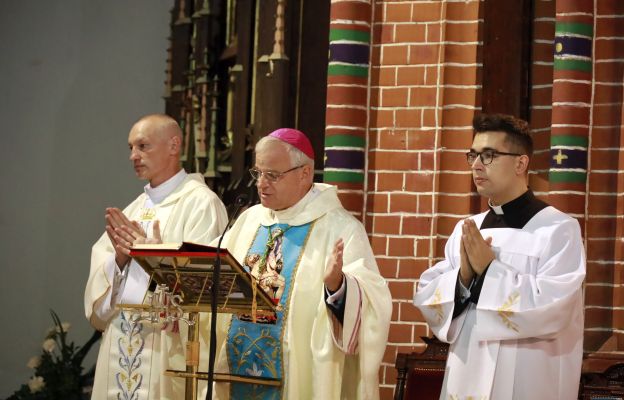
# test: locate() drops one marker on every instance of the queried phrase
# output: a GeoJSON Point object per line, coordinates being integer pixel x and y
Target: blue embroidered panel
{"type": "Point", "coordinates": [256, 349]}
{"type": "Point", "coordinates": [131, 349]}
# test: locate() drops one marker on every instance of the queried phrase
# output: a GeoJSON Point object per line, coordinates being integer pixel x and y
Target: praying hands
{"type": "Point", "coordinates": [475, 252]}
{"type": "Point", "coordinates": [124, 233]}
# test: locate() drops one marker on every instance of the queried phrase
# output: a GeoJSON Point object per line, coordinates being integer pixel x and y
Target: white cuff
{"type": "Point", "coordinates": [464, 292]}
{"type": "Point", "coordinates": [338, 294]}
{"type": "Point", "coordinates": [132, 289]}
{"type": "Point", "coordinates": [105, 306]}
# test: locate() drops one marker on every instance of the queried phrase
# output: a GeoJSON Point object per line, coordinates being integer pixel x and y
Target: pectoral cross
{"type": "Point", "coordinates": [560, 157]}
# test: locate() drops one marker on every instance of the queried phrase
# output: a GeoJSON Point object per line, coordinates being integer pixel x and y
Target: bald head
{"type": "Point", "coordinates": [161, 125]}
{"type": "Point", "coordinates": [155, 143]}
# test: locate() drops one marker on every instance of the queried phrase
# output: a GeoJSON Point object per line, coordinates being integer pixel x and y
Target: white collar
{"type": "Point", "coordinates": [294, 210]}
{"type": "Point", "coordinates": [497, 209]}
{"type": "Point", "coordinates": [160, 192]}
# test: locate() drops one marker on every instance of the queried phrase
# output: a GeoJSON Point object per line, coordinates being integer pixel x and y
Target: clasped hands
{"type": "Point", "coordinates": [124, 233]}
{"type": "Point", "coordinates": [476, 253]}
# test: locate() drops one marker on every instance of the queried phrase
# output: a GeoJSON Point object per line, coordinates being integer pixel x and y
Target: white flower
{"type": "Point", "coordinates": [36, 383]}
{"type": "Point", "coordinates": [255, 371]}
{"type": "Point", "coordinates": [65, 326]}
{"type": "Point", "coordinates": [34, 362]}
{"type": "Point", "coordinates": [49, 345]}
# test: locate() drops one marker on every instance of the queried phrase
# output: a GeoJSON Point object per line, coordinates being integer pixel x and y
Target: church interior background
{"type": "Point", "coordinates": [386, 90]}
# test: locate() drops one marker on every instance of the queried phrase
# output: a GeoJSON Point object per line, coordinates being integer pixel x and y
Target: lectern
{"type": "Point", "coordinates": [181, 276]}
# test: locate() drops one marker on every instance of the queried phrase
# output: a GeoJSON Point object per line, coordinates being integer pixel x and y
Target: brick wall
{"type": "Point", "coordinates": [605, 206]}
{"type": "Point", "coordinates": [598, 203]}
{"type": "Point", "coordinates": [424, 89]}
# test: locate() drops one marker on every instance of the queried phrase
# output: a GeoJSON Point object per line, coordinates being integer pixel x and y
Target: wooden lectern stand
{"type": "Point", "coordinates": [183, 274]}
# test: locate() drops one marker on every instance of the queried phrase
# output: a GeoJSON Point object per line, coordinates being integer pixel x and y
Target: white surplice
{"type": "Point", "coordinates": [324, 359]}
{"type": "Point", "coordinates": [524, 337]}
{"type": "Point", "coordinates": [133, 357]}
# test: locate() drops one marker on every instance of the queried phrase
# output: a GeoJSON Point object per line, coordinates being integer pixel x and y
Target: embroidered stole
{"type": "Point", "coordinates": [256, 349]}
{"type": "Point", "coordinates": [133, 343]}
{"type": "Point", "coordinates": [130, 370]}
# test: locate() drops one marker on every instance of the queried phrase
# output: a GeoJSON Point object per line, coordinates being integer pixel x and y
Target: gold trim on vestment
{"type": "Point", "coordinates": [506, 313]}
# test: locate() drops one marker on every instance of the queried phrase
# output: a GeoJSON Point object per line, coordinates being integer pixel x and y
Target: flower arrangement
{"type": "Point", "coordinates": [57, 373]}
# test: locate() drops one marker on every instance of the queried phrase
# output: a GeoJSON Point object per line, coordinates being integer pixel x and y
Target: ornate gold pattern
{"type": "Point", "coordinates": [268, 349]}
{"type": "Point", "coordinates": [147, 214]}
{"type": "Point", "coordinates": [130, 378]}
{"type": "Point", "coordinates": [505, 311]}
{"type": "Point", "coordinates": [294, 276]}
{"type": "Point", "coordinates": [436, 305]}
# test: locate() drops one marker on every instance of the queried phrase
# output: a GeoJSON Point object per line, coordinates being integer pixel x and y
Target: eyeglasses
{"type": "Point", "coordinates": [271, 176]}
{"type": "Point", "coordinates": [487, 156]}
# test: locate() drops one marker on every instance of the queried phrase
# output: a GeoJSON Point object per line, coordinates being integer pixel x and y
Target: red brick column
{"type": "Point", "coordinates": [572, 84]}
{"type": "Point", "coordinates": [347, 101]}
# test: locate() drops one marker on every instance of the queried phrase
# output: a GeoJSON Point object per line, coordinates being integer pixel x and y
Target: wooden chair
{"type": "Point", "coordinates": [607, 385]}
{"type": "Point", "coordinates": [420, 375]}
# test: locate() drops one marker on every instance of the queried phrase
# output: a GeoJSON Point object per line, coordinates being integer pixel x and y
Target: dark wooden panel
{"type": "Point", "coordinates": [240, 77]}
{"type": "Point", "coordinates": [310, 78]}
{"type": "Point", "coordinates": [228, 85]}
{"type": "Point", "coordinates": [506, 56]}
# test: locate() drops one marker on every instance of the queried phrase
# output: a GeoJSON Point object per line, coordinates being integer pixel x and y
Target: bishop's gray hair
{"type": "Point", "coordinates": [297, 157]}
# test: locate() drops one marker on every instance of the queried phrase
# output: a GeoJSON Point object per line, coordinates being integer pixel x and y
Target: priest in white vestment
{"type": "Point", "coordinates": [314, 258]}
{"type": "Point", "coordinates": [175, 207]}
{"type": "Point", "coordinates": [508, 296]}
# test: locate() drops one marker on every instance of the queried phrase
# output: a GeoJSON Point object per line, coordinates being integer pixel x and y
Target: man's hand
{"type": "Point", "coordinates": [122, 233]}
{"type": "Point", "coordinates": [156, 238]}
{"type": "Point", "coordinates": [117, 219]}
{"type": "Point", "coordinates": [466, 273]}
{"type": "Point", "coordinates": [478, 250]}
{"type": "Point", "coordinates": [333, 271]}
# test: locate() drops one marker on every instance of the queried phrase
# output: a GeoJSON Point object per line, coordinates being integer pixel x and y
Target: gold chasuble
{"type": "Point", "coordinates": [307, 347]}
{"type": "Point", "coordinates": [134, 355]}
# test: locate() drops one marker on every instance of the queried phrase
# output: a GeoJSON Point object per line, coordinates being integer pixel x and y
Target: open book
{"type": "Point", "coordinates": [187, 269]}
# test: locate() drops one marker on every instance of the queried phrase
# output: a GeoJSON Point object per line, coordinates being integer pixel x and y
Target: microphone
{"type": "Point", "coordinates": [239, 202]}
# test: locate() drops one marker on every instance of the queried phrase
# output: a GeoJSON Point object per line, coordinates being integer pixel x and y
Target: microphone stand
{"type": "Point", "coordinates": [239, 202]}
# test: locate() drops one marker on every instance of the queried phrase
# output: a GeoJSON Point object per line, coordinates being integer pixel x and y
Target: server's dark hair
{"type": "Point", "coordinates": [517, 130]}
